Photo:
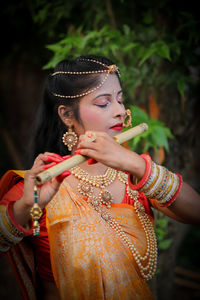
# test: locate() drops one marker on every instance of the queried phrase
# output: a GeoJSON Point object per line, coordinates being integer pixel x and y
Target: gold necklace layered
{"type": "Point", "coordinates": [147, 263]}
{"type": "Point", "coordinates": [87, 182]}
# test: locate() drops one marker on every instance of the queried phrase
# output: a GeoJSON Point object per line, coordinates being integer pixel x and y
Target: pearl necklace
{"type": "Point", "coordinates": [147, 263]}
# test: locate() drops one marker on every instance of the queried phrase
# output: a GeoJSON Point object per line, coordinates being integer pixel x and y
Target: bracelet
{"type": "Point", "coordinates": [19, 228]}
{"type": "Point", "coordinates": [176, 192]}
{"type": "Point", "coordinates": [151, 193]}
{"type": "Point", "coordinates": [158, 182]}
{"type": "Point", "coordinates": [4, 241]}
{"type": "Point", "coordinates": [163, 195]}
{"type": "Point", "coordinates": [8, 235]}
{"type": "Point", "coordinates": [146, 176]}
{"type": "Point", "coordinates": [152, 178]}
{"type": "Point", "coordinates": [162, 185]}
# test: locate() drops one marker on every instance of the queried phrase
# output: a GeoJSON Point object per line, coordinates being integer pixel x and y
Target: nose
{"type": "Point", "coordinates": [119, 110]}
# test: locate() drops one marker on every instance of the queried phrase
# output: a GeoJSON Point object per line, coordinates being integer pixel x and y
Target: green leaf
{"type": "Point", "coordinates": [162, 222]}
{"type": "Point", "coordinates": [130, 47]}
{"type": "Point", "coordinates": [162, 49]}
{"type": "Point", "coordinates": [165, 244]}
{"type": "Point", "coordinates": [148, 53]}
{"type": "Point", "coordinates": [161, 233]}
{"type": "Point", "coordinates": [159, 137]}
{"type": "Point", "coordinates": [139, 116]}
{"type": "Point", "coordinates": [168, 133]}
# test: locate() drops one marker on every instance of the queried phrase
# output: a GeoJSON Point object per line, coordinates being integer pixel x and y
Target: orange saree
{"type": "Point", "coordinates": [89, 261]}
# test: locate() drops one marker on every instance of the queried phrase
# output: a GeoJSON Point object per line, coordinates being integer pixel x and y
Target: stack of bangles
{"type": "Point", "coordinates": [158, 183]}
{"type": "Point", "coordinates": [11, 233]}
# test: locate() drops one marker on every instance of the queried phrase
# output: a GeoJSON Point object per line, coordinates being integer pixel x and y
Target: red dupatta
{"type": "Point", "coordinates": [21, 255]}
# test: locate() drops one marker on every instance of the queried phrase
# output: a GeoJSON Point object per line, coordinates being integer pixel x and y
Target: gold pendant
{"type": "Point", "coordinates": [84, 188]}
{"type": "Point", "coordinates": [106, 198]}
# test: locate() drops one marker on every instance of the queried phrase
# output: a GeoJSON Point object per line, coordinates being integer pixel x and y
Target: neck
{"type": "Point", "coordinates": [95, 169]}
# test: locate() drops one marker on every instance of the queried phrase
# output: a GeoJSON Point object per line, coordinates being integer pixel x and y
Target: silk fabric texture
{"type": "Point", "coordinates": [89, 261]}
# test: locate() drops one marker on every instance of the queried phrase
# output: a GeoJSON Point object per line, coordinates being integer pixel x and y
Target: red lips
{"type": "Point", "coordinates": [117, 126]}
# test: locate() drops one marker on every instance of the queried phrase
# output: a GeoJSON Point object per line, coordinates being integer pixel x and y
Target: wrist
{"type": "Point", "coordinates": [20, 211]}
{"type": "Point", "coordinates": [136, 166]}
{"type": "Point", "coordinates": [144, 174]}
{"type": "Point", "coordinates": [24, 227]}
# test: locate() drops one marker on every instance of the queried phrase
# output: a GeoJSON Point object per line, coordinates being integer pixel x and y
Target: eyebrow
{"type": "Point", "coordinates": [107, 94]}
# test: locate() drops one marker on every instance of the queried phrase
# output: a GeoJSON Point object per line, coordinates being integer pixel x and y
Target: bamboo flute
{"type": "Point", "coordinates": [78, 159]}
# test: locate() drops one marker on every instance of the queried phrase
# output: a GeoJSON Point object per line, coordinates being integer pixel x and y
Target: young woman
{"type": "Point", "coordinates": [96, 238]}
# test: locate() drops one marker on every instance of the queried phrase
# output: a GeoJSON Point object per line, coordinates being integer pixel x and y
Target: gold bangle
{"type": "Point", "coordinates": [146, 189]}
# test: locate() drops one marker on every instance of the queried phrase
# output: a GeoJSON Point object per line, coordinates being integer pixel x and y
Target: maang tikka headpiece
{"type": "Point", "coordinates": [109, 70]}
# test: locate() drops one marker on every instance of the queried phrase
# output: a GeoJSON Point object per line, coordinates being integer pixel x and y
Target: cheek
{"type": "Point", "coordinates": [89, 116]}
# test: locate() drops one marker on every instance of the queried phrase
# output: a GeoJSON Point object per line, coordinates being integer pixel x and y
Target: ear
{"type": "Point", "coordinates": [66, 115]}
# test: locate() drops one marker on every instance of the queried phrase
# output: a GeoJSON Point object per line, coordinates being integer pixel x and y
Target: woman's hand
{"type": "Point", "coordinates": [103, 148]}
{"type": "Point", "coordinates": [46, 191]}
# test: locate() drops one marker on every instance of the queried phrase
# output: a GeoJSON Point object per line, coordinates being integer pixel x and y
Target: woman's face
{"type": "Point", "coordinates": [103, 109]}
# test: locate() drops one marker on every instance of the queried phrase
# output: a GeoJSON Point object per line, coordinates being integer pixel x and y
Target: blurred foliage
{"type": "Point", "coordinates": [153, 43]}
{"type": "Point", "coordinates": [156, 136]}
{"type": "Point", "coordinates": [147, 58]}
{"type": "Point", "coordinates": [161, 230]}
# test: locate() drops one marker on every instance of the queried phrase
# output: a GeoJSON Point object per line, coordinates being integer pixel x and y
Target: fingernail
{"type": "Point", "coordinates": [78, 152]}
{"type": "Point", "coordinates": [45, 167]}
{"type": "Point", "coordinates": [91, 161]}
{"type": "Point", "coordinates": [54, 158]}
{"type": "Point", "coordinates": [63, 175]}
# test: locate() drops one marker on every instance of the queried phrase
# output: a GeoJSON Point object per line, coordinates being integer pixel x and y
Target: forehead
{"type": "Point", "coordinates": [110, 84]}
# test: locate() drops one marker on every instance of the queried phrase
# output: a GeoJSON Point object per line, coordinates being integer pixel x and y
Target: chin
{"type": "Point", "coordinates": [113, 132]}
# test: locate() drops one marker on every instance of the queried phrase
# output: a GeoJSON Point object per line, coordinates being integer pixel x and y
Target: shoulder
{"type": "Point", "coordinates": [11, 186]}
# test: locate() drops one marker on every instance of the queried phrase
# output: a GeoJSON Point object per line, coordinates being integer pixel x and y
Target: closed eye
{"type": "Point", "coordinates": [102, 105]}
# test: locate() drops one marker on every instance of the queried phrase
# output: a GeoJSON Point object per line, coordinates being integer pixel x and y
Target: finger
{"type": "Point", "coordinates": [58, 156]}
{"type": "Point", "coordinates": [45, 167]}
{"type": "Point", "coordinates": [88, 152]}
{"type": "Point", "coordinates": [40, 159]}
{"type": "Point", "coordinates": [55, 158]}
{"type": "Point", "coordinates": [88, 145]}
{"type": "Point", "coordinates": [52, 153]}
{"type": "Point", "coordinates": [77, 152]}
{"type": "Point", "coordinates": [66, 156]}
{"type": "Point", "coordinates": [31, 174]}
{"type": "Point", "coordinates": [65, 174]}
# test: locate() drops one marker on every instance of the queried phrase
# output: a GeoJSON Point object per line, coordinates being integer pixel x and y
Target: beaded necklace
{"type": "Point", "coordinates": [102, 202]}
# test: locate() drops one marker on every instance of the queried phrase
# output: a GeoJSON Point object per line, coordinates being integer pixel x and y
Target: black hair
{"type": "Point", "coordinates": [49, 128]}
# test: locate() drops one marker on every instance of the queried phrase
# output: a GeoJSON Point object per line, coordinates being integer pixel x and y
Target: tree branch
{"type": "Point", "coordinates": [111, 15]}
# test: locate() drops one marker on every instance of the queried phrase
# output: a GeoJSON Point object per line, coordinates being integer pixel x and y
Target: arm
{"type": "Point", "coordinates": [22, 207]}
{"type": "Point", "coordinates": [186, 207]}
{"type": "Point", "coordinates": [16, 204]}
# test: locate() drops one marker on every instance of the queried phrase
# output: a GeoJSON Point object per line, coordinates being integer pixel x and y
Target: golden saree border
{"type": "Point", "coordinates": [89, 261]}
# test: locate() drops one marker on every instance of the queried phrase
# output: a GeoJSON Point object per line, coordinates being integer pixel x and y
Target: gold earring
{"type": "Point", "coordinates": [70, 138]}
{"type": "Point", "coordinates": [129, 121]}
